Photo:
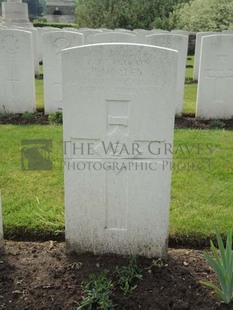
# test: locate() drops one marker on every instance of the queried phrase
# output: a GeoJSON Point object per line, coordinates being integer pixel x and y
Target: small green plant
{"type": "Point", "coordinates": [222, 264]}
{"type": "Point", "coordinates": [217, 124]}
{"type": "Point", "coordinates": [27, 116]}
{"type": "Point", "coordinates": [127, 274]}
{"type": "Point", "coordinates": [157, 264]}
{"type": "Point", "coordinates": [7, 116]}
{"type": "Point", "coordinates": [98, 290]}
{"type": "Point", "coordinates": [55, 118]}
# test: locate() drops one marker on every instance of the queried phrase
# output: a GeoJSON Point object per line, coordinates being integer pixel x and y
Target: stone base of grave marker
{"type": "Point", "coordinates": [14, 12]}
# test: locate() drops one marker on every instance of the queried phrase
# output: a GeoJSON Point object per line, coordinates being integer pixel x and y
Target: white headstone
{"type": "Point", "coordinates": [51, 29]}
{"type": "Point", "coordinates": [53, 43]}
{"type": "Point", "coordinates": [105, 29]}
{"type": "Point", "coordinates": [199, 36]}
{"type": "Point", "coordinates": [84, 29]}
{"type": "Point", "coordinates": [179, 43]}
{"type": "Point", "coordinates": [35, 41]}
{"type": "Point", "coordinates": [121, 94]}
{"type": "Point", "coordinates": [42, 31]}
{"type": "Point", "coordinates": [87, 33]}
{"type": "Point", "coordinates": [229, 31]}
{"type": "Point", "coordinates": [140, 30]}
{"type": "Point", "coordinates": [111, 37]}
{"type": "Point", "coordinates": [39, 36]}
{"type": "Point", "coordinates": [215, 87]}
{"type": "Point", "coordinates": [70, 29]}
{"type": "Point", "coordinates": [17, 85]}
{"type": "Point", "coordinates": [159, 31]}
{"type": "Point", "coordinates": [141, 35]}
{"type": "Point", "coordinates": [122, 30]}
{"type": "Point", "coordinates": [181, 32]}
{"type": "Point", "coordinates": [35, 44]}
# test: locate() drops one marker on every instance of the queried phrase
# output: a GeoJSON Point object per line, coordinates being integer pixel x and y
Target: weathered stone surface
{"type": "Point", "coordinates": [215, 91]}
{"type": "Point", "coordinates": [121, 94]}
{"type": "Point", "coordinates": [179, 43]}
{"type": "Point", "coordinates": [199, 36]}
{"type": "Point", "coordinates": [17, 85]}
{"type": "Point", "coordinates": [88, 32]}
{"type": "Point", "coordinates": [111, 37]}
{"type": "Point", "coordinates": [14, 12]}
{"type": "Point", "coordinates": [35, 45]}
{"type": "Point", "coordinates": [53, 44]}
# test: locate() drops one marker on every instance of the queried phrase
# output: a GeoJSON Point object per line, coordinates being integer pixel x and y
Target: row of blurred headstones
{"type": "Point", "coordinates": [22, 49]}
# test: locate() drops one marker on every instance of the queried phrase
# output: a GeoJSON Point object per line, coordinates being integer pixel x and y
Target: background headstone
{"type": "Point", "coordinates": [179, 43]}
{"type": "Point", "coordinates": [158, 31]}
{"type": "Point", "coordinates": [141, 35]}
{"type": "Point", "coordinates": [87, 32]}
{"type": "Point", "coordinates": [229, 31]}
{"type": "Point", "coordinates": [122, 30]}
{"type": "Point", "coordinates": [53, 43]}
{"type": "Point", "coordinates": [123, 94]}
{"type": "Point", "coordinates": [17, 84]}
{"type": "Point", "coordinates": [199, 36]}
{"type": "Point", "coordinates": [35, 44]}
{"type": "Point", "coordinates": [39, 38]}
{"type": "Point", "coordinates": [111, 37]}
{"type": "Point", "coordinates": [179, 31]}
{"type": "Point", "coordinates": [215, 91]}
{"type": "Point", "coordinates": [42, 31]}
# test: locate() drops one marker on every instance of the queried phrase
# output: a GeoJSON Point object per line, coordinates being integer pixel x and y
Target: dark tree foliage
{"type": "Point", "coordinates": [35, 8]}
{"type": "Point", "coordinates": [128, 14]}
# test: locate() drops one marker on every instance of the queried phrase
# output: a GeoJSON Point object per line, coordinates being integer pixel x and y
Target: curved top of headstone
{"type": "Point", "coordinates": [114, 67]}
{"type": "Point", "coordinates": [14, 1]}
{"type": "Point", "coordinates": [111, 37]}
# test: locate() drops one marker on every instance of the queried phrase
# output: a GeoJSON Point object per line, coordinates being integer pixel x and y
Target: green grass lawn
{"type": "Point", "coordinates": [201, 198]}
{"type": "Point", "coordinates": [39, 94]}
{"type": "Point", "coordinates": [32, 200]}
{"type": "Point", "coordinates": [190, 93]}
{"type": "Point", "coordinates": [189, 67]}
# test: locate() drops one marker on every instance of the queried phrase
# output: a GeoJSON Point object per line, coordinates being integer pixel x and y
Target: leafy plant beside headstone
{"type": "Point", "coordinates": [222, 264]}
{"type": "Point", "coordinates": [55, 118]}
{"type": "Point", "coordinates": [97, 290]}
{"type": "Point", "coordinates": [127, 275]}
{"type": "Point", "coordinates": [217, 124]}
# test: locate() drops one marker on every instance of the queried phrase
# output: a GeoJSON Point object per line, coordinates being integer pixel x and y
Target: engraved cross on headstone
{"type": "Point", "coordinates": [116, 181]}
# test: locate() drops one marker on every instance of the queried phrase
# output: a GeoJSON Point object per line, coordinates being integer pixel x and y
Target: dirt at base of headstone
{"type": "Point", "coordinates": [43, 276]}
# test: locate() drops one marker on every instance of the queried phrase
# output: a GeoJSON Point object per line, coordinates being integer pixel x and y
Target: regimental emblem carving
{"type": "Point", "coordinates": [60, 44]}
{"type": "Point", "coordinates": [10, 44]}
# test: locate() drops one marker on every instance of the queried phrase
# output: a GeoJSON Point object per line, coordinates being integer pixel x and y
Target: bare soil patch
{"type": "Point", "coordinates": [43, 276]}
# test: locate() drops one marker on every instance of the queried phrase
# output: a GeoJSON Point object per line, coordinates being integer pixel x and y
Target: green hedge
{"type": "Point", "coordinates": [57, 25]}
